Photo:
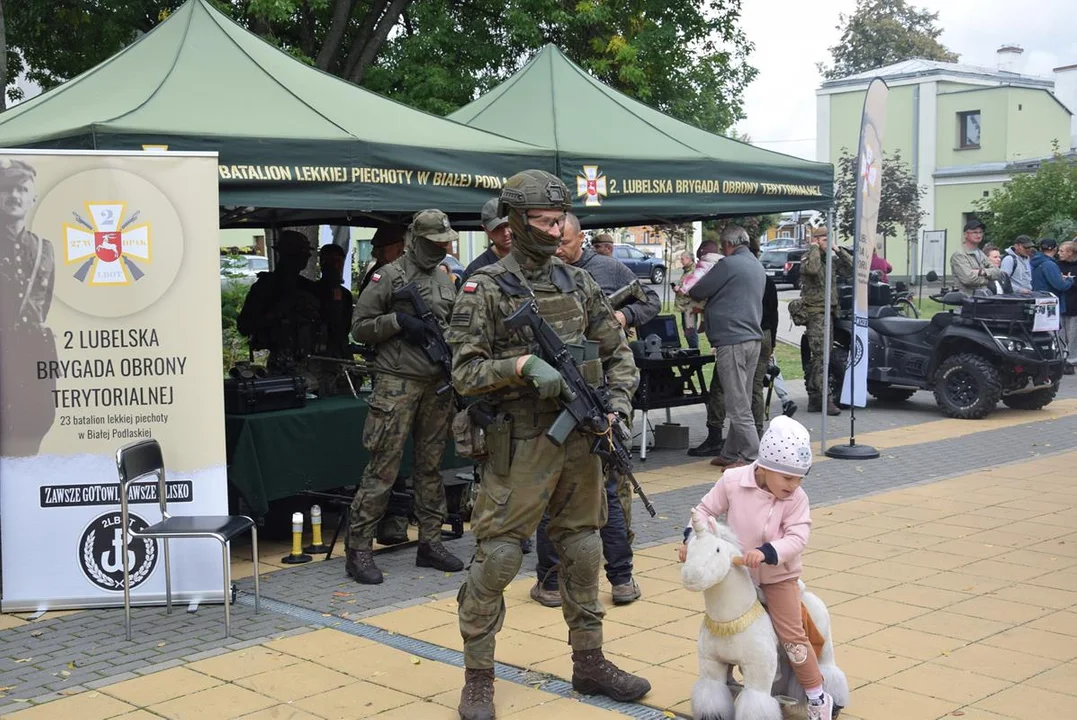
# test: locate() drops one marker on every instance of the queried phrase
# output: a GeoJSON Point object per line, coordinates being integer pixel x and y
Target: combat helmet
{"type": "Point", "coordinates": [533, 190]}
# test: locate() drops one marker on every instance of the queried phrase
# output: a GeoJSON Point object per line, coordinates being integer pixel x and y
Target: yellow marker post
{"type": "Point", "coordinates": [316, 546]}
{"type": "Point", "coordinates": [297, 556]}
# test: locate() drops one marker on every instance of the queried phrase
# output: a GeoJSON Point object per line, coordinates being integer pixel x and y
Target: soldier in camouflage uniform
{"type": "Point", "coordinates": [525, 474]}
{"type": "Point", "coordinates": [813, 295]}
{"type": "Point", "coordinates": [405, 402]}
{"type": "Point", "coordinates": [27, 276]}
{"type": "Point", "coordinates": [282, 312]}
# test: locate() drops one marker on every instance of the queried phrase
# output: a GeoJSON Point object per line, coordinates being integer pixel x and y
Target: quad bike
{"type": "Point", "coordinates": [981, 350]}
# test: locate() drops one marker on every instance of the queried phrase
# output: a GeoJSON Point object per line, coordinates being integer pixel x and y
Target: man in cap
{"type": "Point", "coordinates": [813, 297]}
{"type": "Point", "coordinates": [525, 474]}
{"type": "Point", "coordinates": [970, 267]}
{"type": "Point", "coordinates": [1015, 263]}
{"type": "Point", "coordinates": [617, 535]}
{"type": "Point", "coordinates": [387, 245]}
{"type": "Point", "coordinates": [405, 402]}
{"type": "Point", "coordinates": [603, 244]}
{"type": "Point", "coordinates": [498, 232]}
{"type": "Point", "coordinates": [282, 312]}
{"type": "Point", "coordinates": [27, 277]}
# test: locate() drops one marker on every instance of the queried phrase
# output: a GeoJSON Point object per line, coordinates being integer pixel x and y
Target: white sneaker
{"type": "Point", "coordinates": [824, 711]}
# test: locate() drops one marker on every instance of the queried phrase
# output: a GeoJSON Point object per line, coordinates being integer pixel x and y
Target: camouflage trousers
{"type": "Point", "coordinates": [716, 396]}
{"type": "Point", "coordinates": [567, 483]}
{"type": "Point", "coordinates": [398, 408]}
{"type": "Point", "coordinates": [813, 375]}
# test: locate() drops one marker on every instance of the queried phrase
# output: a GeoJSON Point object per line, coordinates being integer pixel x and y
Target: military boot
{"type": "Point", "coordinates": [477, 697]}
{"type": "Point", "coordinates": [815, 404]}
{"type": "Point", "coordinates": [831, 408]}
{"type": "Point", "coordinates": [361, 568]}
{"type": "Point", "coordinates": [711, 446]}
{"type": "Point", "coordinates": [435, 555]}
{"type": "Point", "coordinates": [593, 674]}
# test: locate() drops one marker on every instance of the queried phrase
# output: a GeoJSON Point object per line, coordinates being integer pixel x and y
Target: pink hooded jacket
{"type": "Point", "coordinates": [757, 517]}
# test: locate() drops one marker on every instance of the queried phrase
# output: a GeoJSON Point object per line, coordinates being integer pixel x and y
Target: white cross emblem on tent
{"type": "Point", "coordinates": [591, 185]}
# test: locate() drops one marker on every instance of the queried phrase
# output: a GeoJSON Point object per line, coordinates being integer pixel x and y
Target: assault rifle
{"type": "Point", "coordinates": [632, 292]}
{"type": "Point", "coordinates": [434, 346]}
{"type": "Point", "coordinates": [347, 367]}
{"type": "Point", "coordinates": [583, 406]}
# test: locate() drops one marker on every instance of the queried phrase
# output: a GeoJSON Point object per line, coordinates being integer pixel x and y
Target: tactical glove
{"type": "Point", "coordinates": [544, 377]}
{"type": "Point", "coordinates": [412, 329]}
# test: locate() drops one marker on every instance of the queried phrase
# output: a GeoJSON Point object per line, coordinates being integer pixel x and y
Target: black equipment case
{"type": "Point", "coordinates": [243, 396]}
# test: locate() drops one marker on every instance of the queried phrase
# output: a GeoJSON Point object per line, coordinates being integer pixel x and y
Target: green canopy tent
{"type": "Point", "coordinates": [631, 164]}
{"type": "Point", "coordinates": [296, 145]}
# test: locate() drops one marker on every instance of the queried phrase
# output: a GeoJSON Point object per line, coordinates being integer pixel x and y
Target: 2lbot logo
{"type": "Point", "coordinates": [100, 552]}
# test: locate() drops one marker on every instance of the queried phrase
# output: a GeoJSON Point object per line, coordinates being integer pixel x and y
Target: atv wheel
{"type": "Point", "coordinates": [1035, 400]}
{"type": "Point", "coordinates": [839, 357]}
{"type": "Point", "coordinates": [967, 386]}
{"type": "Point", "coordinates": [889, 393]}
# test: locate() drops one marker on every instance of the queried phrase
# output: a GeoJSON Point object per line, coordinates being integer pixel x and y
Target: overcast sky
{"type": "Point", "coordinates": [791, 36]}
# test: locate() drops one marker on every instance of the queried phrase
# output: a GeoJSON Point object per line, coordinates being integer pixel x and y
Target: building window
{"type": "Point", "coordinates": [968, 128]}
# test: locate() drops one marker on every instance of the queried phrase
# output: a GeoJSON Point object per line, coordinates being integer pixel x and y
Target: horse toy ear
{"type": "Point", "coordinates": [699, 522]}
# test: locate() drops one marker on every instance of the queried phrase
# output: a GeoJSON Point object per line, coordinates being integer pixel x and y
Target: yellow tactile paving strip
{"type": "Point", "coordinates": [954, 599]}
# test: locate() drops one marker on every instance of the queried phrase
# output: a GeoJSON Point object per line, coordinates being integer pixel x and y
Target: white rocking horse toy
{"type": "Point", "coordinates": [737, 632]}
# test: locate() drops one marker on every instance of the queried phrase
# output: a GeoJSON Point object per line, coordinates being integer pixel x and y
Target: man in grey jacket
{"type": "Point", "coordinates": [1015, 263]}
{"type": "Point", "coordinates": [610, 273]}
{"type": "Point", "coordinates": [733, 316]}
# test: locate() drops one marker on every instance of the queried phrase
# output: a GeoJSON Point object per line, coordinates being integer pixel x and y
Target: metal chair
{"type": "Point", "coordinates": [141, 459]}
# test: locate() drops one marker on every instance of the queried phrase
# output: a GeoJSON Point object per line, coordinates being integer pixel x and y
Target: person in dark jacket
{"type": "Point", "coordinates": [1067, 264]}
{"type": "Point", "coordinates": [498, 233]}
{"type": "Point", "coordinates": [1047, 276]}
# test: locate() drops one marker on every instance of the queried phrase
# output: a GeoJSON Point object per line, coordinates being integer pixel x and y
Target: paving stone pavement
{"type": "Point", "coordinates": [47, 659]}
{"type": "Point", "coordinates": [66, 654]}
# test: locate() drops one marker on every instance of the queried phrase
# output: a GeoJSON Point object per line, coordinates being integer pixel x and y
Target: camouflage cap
{"type": "Point", "coordinates": [491, 220]}
{"type": "Point", "coordinates": [387, 235]}
{"type": "Point", "coordinates": [13, 172]}
{"type": "Point", "coordinates": [433, 225]}
{"type": "Point", "coordinates": [291, 242]}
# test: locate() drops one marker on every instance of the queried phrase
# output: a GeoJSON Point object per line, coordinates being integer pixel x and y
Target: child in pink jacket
{"type": "Point", "coordinates": [768, 510]}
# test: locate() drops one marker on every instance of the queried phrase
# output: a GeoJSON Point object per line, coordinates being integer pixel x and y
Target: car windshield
{"type": "Point", "coordinates": [774, 256]}
{"type": "Point", "coordinates": [258, 264]}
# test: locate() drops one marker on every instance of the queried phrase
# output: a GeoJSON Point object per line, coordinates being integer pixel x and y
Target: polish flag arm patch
{"type": "Point", "coordinates": [470, 286]}
{"type": "Point", "coordinates": [375, 277]}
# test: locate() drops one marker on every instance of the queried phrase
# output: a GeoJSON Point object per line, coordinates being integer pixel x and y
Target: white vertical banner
{"type": "Point", "coordinates": [868, 193]}
{"type": "Point", "coordinates": [109, 333]}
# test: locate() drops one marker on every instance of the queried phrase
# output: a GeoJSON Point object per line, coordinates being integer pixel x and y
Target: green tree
{"type": "Point", "coordinates": [686, 58]}
{"type": "Point", "coordinates": [884, 32]}
{"type": "Point", "coordinates": [899, 204]}
{"type": "Point", "coordinates": [1035, 204]}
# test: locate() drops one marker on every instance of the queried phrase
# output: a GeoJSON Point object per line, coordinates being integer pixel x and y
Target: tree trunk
{"type": "Point", "coordinates": [3, 60]}
{"type": "Point", "coordinates": [342, 13]}
{"type": "Point", "coordinates": [373, 47]}
{"type": "Point", "coordinates": [366, 30]}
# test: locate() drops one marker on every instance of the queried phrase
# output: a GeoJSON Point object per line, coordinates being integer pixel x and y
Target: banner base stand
{"type": "Point", "coordinates": [852, 451]}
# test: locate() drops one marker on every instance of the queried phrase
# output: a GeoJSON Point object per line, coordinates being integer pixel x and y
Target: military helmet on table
{"type": "Point", "coordinates": [534, 190]}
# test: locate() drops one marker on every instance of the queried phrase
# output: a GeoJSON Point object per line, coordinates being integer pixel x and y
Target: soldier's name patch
{"type": "Point", "coordinates": [461, 319]}
{"type": "Point", "coordinates": [470, 286]}
{"type": "Point", "coordinates": [375, 277]}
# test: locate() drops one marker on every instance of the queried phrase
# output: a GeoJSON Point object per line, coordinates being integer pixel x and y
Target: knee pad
{"type": "Point", "coordinates": [581, 554]}
{"type": "Point", "coordinates": [502, 558]}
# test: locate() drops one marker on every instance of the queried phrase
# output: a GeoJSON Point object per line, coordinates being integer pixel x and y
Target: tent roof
{"type": "Point", "coordinates": [199, 81]}
{"type": "Point", "coordinates": [553, 102]}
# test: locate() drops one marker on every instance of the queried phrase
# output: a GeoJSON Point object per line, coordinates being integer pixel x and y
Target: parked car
{"type": "Point", "coordinates": [242, 269]}
{"type": "Point", "coordinates": [783, 266]}
{"type": "Point", "coordinates": [645, 265]}
{"type": "Point", "coordinates": [784, 243]}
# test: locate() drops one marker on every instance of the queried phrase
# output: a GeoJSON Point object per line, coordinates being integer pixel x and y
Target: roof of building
{"type": "Point", "coordinates": [917, 67]}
